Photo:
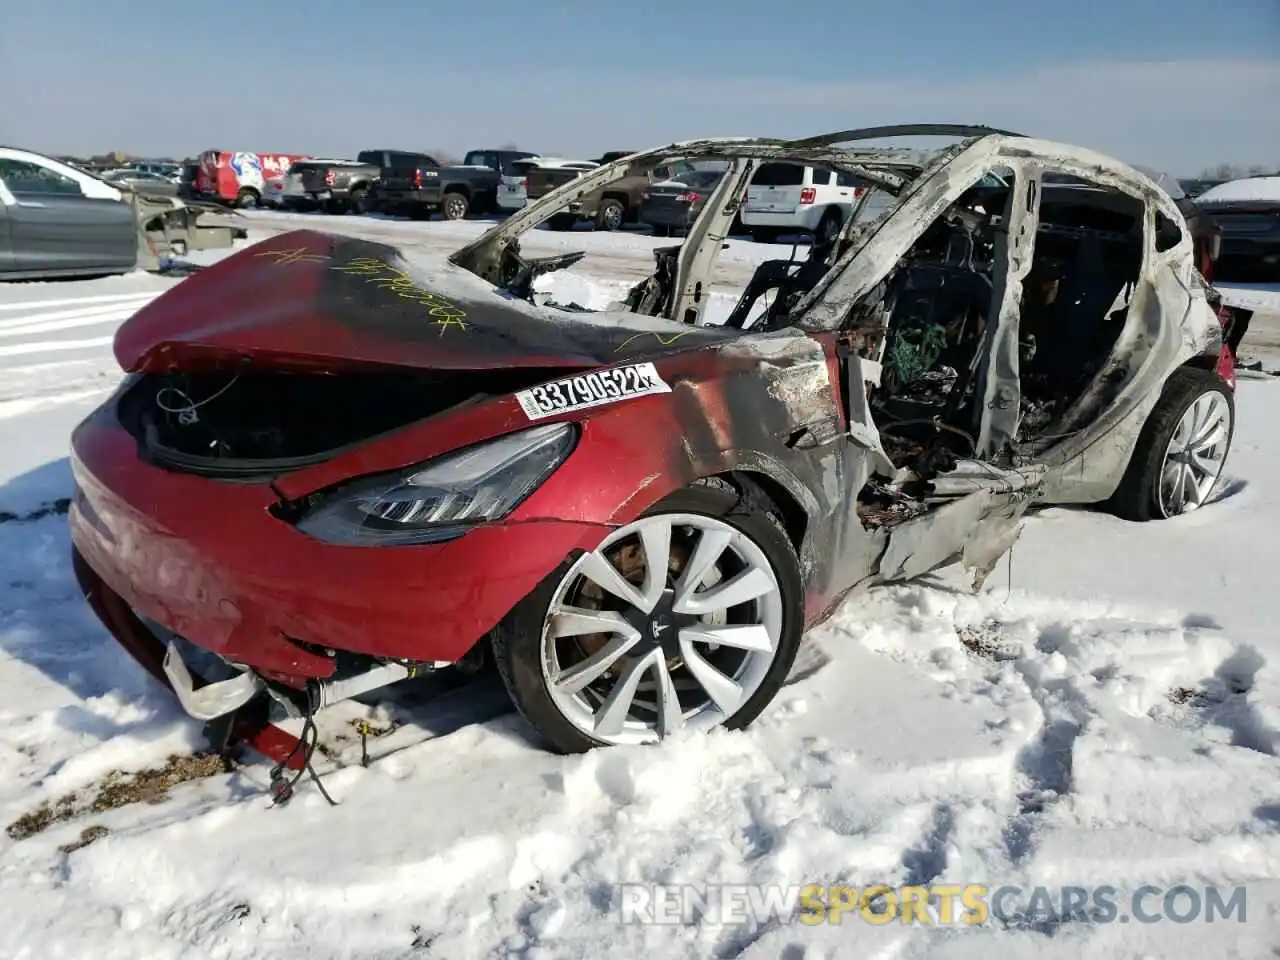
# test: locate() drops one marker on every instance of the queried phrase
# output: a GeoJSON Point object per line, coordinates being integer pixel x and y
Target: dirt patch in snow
{"type": "Point", "coordinates": [57, 508]}
{"type": "Point", "coordinates": [117, 790]}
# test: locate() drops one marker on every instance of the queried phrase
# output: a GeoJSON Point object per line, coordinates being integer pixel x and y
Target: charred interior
{"type": "Point", "coordinates": [936, 306]}
{"type": "Point", "coordinates": [249, 425]}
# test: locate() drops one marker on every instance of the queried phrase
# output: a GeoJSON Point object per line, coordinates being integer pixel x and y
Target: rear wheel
{"type": "Point", "coordinates": [610, 215]}
{"type": "Point", "coordinates": [764, 234]}
{"type": "Point", "coordinates": [563, 221]}
{"type": "Point", "coordinates": [661, 230]}
{"type": "Point", "coordinates": [688, 617]}
{"type": "Point", "coordinates": [358, 202]}
{"type": "Point", "coordinates": [828, 227]}
{"type": "Point", "coordinates": [1181, 450]}
{"type": "Point", "coordinates": [455, 206]}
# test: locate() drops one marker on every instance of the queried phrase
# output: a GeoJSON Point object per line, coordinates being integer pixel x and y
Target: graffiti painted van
{"type": "Point", "coordinates": [241, 178]}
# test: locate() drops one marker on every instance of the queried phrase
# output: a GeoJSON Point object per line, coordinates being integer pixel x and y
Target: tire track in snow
{"type": "Point", "coordinates": [36, 334]}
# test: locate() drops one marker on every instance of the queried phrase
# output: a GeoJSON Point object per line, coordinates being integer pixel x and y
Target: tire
{"type": "Point", "coordinates": [755, 537]}
{"type": "Point", "coordinates": [610, 215]}
{"type": "Point", "coordinates": [418, 211]}
{"type": "Point", "coordinates": [1139, 496]}
{"type": "Point", "coordinates": [562, 221]}
{"type": "Point", "coordinates": [357, 203]}
{"type": "Point", "coordinates": [661, 230]}
{"type": "Point", "coordinates": [764, 234]}
{"type": "Point", "coordinates": [247, 198]}
{"type": "Point", "coordinates": [829, 226]}
{"type": "Point", "coordinates": [455, 205]}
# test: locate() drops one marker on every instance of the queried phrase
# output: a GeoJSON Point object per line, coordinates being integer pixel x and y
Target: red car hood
{"type": "Point", "coordinates": [314, 300]}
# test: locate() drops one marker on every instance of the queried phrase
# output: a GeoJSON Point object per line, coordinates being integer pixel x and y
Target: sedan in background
{"type": "Point", "coordinates": [142, 182]}
{"type": "Point", "coordinates": [671, 206]}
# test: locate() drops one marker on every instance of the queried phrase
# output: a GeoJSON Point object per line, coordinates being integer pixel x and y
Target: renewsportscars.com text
{"type": "Point", "coordinates": [935, 905]}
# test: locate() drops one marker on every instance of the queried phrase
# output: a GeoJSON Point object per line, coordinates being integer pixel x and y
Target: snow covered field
{"type": "Point", "coordinates": [1106, 712]}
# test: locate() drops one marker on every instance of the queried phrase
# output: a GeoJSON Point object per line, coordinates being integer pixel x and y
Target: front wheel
{"type": "Point", "coordinates": [689, 617]}
{"type": "Point", "coordinates": [1183, 446]}
{"type": "Point", "coordinates": [247, 198]}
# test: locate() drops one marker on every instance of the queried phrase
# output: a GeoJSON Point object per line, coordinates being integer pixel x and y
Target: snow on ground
{"type": "Point", "coordinates": [1106, 711]}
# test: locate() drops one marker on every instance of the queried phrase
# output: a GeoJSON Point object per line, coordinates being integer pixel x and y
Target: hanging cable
{"type": "Point", "coordinates": [282, 788]}
{"type": "Point", "coordinates": [187, 413]}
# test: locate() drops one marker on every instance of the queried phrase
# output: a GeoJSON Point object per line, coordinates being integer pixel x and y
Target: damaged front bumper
{"type": "Point", "coordinates": [212, 700]}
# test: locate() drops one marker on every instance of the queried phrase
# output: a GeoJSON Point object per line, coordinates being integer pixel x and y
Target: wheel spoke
{"type": "Point", "coordinates": [1184, 482]}
{"type": "Point", "coordinates": [577, 622]}
{"type": "Point", "coordinates": [1213, 436]}
{"type": "Point", "coordinates": [606, 576]}
{"type": "Point", "coordinates": [611, 716]}
{"type": "Point", "coordinates": [724, 693]}
{"type": "Point", "coordinates": [752, 637]}
{"type": "Point", "coordinates": [750, 584]}
{"type": "Point", "coordinates": [656, 538]}
{"type": "Point", "coordinates": [572, 679]}
{"type": "Point", "coordinates": [1211, 432]}
{"type": "Point", "coordinates": [711, 546]}
{"type": "Point", "coordinates": [670, 713]}
{"type": "Point", "coordinates": [1206, 464]}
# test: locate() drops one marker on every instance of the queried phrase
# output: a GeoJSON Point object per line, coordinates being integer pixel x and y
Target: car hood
{"type": "Point", "coordinates": [311, 300]}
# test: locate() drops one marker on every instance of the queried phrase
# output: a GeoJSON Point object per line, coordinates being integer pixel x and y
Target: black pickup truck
{"type": "Point", "coordinates": [423, 187]}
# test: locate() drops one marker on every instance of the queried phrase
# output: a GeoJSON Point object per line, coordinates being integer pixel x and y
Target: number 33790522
{"type": "Point", "coordinates": [591, 390]}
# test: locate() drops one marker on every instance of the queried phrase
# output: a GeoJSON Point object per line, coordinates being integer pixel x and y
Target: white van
{"type": "Point", "coordinates": [789, 198]}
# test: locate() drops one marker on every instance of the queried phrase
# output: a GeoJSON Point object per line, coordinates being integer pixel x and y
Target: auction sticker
{"type": "Point", "coordinates": [591, 390]}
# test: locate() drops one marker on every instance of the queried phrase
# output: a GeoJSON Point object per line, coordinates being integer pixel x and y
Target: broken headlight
{"type": "Point", "coordinates": [441, 499]}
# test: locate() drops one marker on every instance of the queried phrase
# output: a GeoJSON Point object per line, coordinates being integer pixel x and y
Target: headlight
{"type": "Point", "coordinates": [440, 499]}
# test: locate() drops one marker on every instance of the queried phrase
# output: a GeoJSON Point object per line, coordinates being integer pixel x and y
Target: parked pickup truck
{"type": "Point", "coordinates": [608, 207]}
{"type": "Point", "coordinates": [427, 187]}
{"type": "Point", "coordinates": [335, 185]}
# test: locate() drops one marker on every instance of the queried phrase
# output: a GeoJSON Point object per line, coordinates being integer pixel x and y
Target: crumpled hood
{"type": "Point", "coordinates": [313, 300]}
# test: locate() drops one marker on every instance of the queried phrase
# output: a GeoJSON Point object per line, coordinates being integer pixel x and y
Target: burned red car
{"type": "Point", "coordinates": [331, 468]}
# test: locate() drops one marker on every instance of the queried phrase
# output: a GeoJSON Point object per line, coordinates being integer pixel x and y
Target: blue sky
{"type": "Point", "coordinates": [1177, 84]}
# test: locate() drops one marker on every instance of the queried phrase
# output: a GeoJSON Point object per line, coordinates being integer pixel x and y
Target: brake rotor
{"type": "Point", "coordinates": [629, 559]}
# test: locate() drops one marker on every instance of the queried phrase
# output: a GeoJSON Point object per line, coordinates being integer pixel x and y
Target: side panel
{"type": "Point", "coordinates": [72, 233]}
{"type": "Point", "coordinates": [6, 239]}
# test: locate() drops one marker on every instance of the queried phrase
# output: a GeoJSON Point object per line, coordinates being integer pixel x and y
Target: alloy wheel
{"type": "Point", "coordinates": [1195, 454]}
{"type": "Point", "coordinates": [673, 621]}
{"type": "Point", "coordinates": [455, 207]}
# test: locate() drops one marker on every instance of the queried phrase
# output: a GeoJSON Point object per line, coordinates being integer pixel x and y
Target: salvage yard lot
{"type": "Point", "coordinates": [1106, 711]}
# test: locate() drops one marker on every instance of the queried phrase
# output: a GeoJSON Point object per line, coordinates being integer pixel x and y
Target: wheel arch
{"type": "Point", "coordinates": [775, 496]}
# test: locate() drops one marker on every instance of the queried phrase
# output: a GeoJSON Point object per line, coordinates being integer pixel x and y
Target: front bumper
{"type": "Point", "coordinates": [207, 561]}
